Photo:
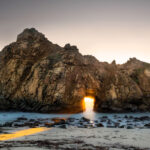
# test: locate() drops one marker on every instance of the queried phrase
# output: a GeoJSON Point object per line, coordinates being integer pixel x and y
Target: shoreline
{"type": "Point", "coordinates": [85, 120]}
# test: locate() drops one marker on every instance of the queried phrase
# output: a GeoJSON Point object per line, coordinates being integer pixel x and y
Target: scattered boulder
{"type": "Point", "coordinates": [49, 124]}
{"type": "Point", "coordinates": [64, 126]}
{"type": "Point", "coordinates": [129, 127]}
{"type": "Point", "coordinates": [21, 119]}
{"type": "Point", "coordinates": [85, 119]}
{"type": "Point", "coordinates": [71, 119]}
{"type": "Point", "coordinates": [122, 126]}
{"type": "Point", "coordinates": [8, 124]}
{"type": "Point", "coordinates": [99, 125]}
{"type": "Point", "coordinates": [147, 125]}
{"type": "Point", "coordinates": [59, 121]}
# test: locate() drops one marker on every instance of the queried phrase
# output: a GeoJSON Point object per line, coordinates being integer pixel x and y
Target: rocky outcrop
{"type": "Point", "coordinates": [37, 75]}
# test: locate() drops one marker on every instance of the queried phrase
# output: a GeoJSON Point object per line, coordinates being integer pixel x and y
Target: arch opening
{"type": "Point", "coordinates": [88, 107]}
{"type": "Point", "coordinates": [88, 102]}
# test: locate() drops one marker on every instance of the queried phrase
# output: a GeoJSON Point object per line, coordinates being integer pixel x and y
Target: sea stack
{"type": "Point", "coordinates": [37, 75]}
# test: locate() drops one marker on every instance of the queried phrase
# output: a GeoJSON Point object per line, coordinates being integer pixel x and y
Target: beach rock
{"type": "Point", "coordinates": [143, 118]}
{"type": "Point", "coordinates": [116, 124]}
{"type": "Point", "coordinates": [8, 124]}
{"type": "Point", "coordinates": [110, 126]}
{"type": "Point", "coordinates": [88, 126]}
{"type": "Point", "coordinates": [21, 119]}
{"type": "Point", "coordinates": [109, 121]}
{"type": "Point", "coordinates": [18, 125]}
{"type": "Point", "coordinates": [104, 117]}
{"type": "Point", "coordinates": [59, 121]}
{"type": "Point", "coordinates": [99, 125]}
{"type": "Point", "coordinates": [126, 117]}
{"type": "Point", "coordinates": [130, 127]}
{"type": "Point", "coordinates": [49, 124]}
{"type": "Point", "coordinates": [71, 119]}
{"type": "Point", "coordinates": [85, 119]}
{"type": "Point", "coordinates": [147, 125]}
{"type": "Point", "coordinates": [31, 120]}
{"type": "Point", "coordinates": [31, 124]}
{"type": "Point", "coordinates": [39, 76]}
{"type": "Point", "coordinates": [64, 126]}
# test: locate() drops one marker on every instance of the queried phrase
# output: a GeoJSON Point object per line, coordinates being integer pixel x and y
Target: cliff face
{"type": "Point", "coordinates": [37, 75]}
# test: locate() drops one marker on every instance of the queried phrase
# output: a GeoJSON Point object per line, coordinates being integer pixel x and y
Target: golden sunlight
{"type": "Point", "coordinates": [21, 133]}
{"type": "Point", "coordinates": [89, 103]}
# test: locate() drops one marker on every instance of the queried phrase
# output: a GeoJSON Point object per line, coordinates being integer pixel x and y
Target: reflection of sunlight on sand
{"type": "Point", "coordinates": [21, 133]}
{"type": "Point", "coordinates": [89, 106]}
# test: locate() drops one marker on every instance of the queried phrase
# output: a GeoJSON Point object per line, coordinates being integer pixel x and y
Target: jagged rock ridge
{"type": "Point", "coordinates": [37, 75]}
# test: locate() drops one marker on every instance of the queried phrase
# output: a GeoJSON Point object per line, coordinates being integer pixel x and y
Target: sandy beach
{"type": "Point", "coordinates": [34, 131]}
{"type": "Point", "coordinates": [81, 138]}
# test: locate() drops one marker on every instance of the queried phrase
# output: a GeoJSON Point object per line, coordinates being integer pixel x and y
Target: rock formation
{"type": "Point", "coordinates": [37, 75]}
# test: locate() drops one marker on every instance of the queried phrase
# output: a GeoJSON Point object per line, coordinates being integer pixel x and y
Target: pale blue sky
{"type": "Point", "coordinates": [107, 29]}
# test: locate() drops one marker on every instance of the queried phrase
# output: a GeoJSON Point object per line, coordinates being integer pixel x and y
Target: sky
{"type": "Point", "coordinates": [107, 29]}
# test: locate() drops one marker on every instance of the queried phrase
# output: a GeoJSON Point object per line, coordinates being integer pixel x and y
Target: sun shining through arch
{"type": "Point", "coordinates": [88, 104]}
